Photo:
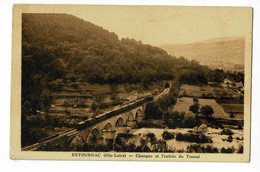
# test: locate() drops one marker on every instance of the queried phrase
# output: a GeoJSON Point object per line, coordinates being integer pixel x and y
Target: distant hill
{"type": "Point", "coordinates": [227, 53]}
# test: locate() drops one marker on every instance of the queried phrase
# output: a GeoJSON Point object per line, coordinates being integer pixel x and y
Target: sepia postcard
{"type": "Point", "coordinates": [131, 83]}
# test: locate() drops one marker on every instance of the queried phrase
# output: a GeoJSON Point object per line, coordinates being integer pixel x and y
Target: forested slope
{"type": "Point", "coordinates": [60, 47]}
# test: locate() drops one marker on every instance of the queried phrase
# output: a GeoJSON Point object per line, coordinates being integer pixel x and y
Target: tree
{"type": "Point", "coordinates": [207, 111]}
{"type": "Point", "coordinates": [94, 106]}
{"type": "Point", "coordinates": [113, 91]}
{"type": "Point", "coordinates": [167, 135]}
{"type": "Point", "coordinates": [189, 120]}
{"type": "Point", "coordinates": [195, 100]}
{"type": "Point", "coordinates": [77, 144]}
{"type": "Point", "coordinates": [194, 108]}
{"type": "Point", "coordinates": [153, 111]}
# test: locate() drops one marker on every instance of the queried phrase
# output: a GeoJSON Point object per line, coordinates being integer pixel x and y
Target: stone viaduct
{"type": "Point", "coordinates": [103, 127]}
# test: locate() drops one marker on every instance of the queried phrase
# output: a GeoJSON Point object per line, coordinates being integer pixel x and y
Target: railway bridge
{"type": "Point", "coordinates": [112, 125]}
{"type": "Point", "coordinates": [103, 127]}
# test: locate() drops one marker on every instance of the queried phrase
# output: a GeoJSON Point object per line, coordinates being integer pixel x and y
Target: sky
{"type": "Point", "coordinates": [165, 24]}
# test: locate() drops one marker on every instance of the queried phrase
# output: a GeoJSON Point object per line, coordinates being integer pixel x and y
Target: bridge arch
{"type": "Point", "coordinates": [130, 117]}
{"type": "Point", "coordinates": [139, 113]}
{"type": "Point", "coordinates": [94, 135]}
{"type": "Point", "coordinates": [119, 122]}
{"type": "Point", "coordinates": [108, 132]}
{"type": "Point", "coordinates": [108, 127]}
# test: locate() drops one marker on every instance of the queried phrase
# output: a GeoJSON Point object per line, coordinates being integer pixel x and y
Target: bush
{"type": "Point", "coordinates": [203, 128]}
{"type": "Point", "coordinates": [151, 124]}
{"type": "Point", "coordinates": [158, 109]}
{"type": "Point", "coordinates": [99, 148]}
{"type": "Point", "coordinates": [240, 127]}
{"type": "Point", "coordinates": [238, 138]}
{"type": "Point", "coordinates": [94, 106]}
{"type": "Point", "coordinates": [33, 135]}
{"type": "Point", "coordinates": [56, 85]}
{"type": "Point", "coordinates": [77, 144]}
{"type": "Point", "coordinates": [166, 101]}
{"type": "Point", "coordinates": [151, 137]}
{"type": "Point", "coordinates": [227, 150]}
{"type": "Point", "coordinates": [131, 147]}
{"type": "Point", "coordinates": [190, 120]}
{"type": "Point", "coordinates": [153, 111]}
{"type": "Point", "coordinates": [195, 100]}
{"type": "Point", "coordinates": [195, 148]}
{"type": "Point", "coordinates": [167, 135]}
{"type": "Point", "coordinates": [174, 119]}
{"type": "Point", "coordinates": [197, 138]}
{"type": "Point", "coordinates": [240, 149]}
{"type": "Point", "coordinates": [160, 146]}
{"type": "Point", "coordinates": [230, 138]}
{"type": "Point", "coordinates": [207, 111]}
{"type": "Point", "coordinates": [226, 131]}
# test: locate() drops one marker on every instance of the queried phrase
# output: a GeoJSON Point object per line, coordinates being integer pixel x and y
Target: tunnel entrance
{"type": "Point", "coordinates": [167, 85]}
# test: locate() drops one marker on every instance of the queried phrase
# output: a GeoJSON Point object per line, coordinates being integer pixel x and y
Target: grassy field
{"type": "Point", "coordinates": [195, 91]}
{"type": "Point", "coordinates": [236, 109]}
{"type": "Point", "coordinates": [184, 103]}
{"type": "Point", "coordinates": [206, 90]}
{"type": "Point", "coordinates": [222, 108]}
{"type": "Point", "coordinates": [233, 108]}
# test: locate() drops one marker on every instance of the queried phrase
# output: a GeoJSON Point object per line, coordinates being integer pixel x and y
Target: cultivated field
{"type": "Point", "coordinates": [223, 108]}
{"type": "Point", "coordinates": [184, 103]}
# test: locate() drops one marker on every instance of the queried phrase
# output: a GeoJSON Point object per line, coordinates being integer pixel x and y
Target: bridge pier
{"type": "Point", "coordinates": [139, 119]}
{"type": "Point", "coordinates": [122, 129]}
{"type": "Point", "coordinates": [109, 135]}
{"type": "Point", "coordinates": [132, 123]}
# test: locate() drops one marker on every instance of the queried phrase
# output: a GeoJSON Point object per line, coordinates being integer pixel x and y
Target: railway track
{"type": "Point", "coordinates": [88, 123]}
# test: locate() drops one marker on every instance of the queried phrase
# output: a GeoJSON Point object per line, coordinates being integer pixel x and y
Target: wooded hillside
{"type": "Point", "coordinates": [61, 47]}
